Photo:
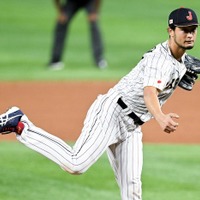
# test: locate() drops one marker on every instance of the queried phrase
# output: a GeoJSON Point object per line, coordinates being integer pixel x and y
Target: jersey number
{"type": "Point", "coordinates": [172, 84]}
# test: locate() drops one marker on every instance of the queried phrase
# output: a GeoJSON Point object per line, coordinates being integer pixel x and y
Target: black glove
{"type": "Point", "coordinates": [192, 63]}
{"type": "Point", "coordinates": [193, 68]}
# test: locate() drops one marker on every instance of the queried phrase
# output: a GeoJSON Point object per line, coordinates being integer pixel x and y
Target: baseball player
{"type": "Point", "coordinates": [113, 122]}
{"type": "Point", "coordinates": [67, 9]}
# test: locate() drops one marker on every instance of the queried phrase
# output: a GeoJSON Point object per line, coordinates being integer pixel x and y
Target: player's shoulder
{"type": "Point", "coordinates": [160, 48]}
{"type": "Point", "coordinates": [160, 51]}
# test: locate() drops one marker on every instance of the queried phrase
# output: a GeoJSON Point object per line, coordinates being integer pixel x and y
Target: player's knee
{"type": "Point", "coordinates": [74, 170]}
{"type": "Point", "coordinates": [75, 173]}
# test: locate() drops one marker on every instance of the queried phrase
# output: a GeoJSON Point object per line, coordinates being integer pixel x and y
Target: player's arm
{"type": "Point", "coordinates": [165, 121]}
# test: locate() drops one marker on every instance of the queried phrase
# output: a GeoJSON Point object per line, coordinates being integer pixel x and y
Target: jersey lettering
{"type": "Point", "coordinates": [172, 84]}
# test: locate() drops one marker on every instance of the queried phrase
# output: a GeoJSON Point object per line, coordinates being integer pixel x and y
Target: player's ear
{"type": "Point", "coordinates": [170, 31]}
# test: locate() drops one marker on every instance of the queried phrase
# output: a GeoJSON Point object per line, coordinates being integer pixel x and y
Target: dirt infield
{"type": "Point", "coordinates": [60, 108]}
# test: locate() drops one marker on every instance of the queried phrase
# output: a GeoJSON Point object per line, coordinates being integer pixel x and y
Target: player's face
{"type": "Point", "coordinates": [185, 37]}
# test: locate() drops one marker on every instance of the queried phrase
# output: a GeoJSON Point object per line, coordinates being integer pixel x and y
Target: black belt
{"type": "Point", "coordinates": [132, 115]}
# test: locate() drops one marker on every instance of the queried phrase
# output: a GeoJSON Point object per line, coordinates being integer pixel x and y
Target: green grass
{"type": "Point", "coordinates": [129, 29]}
{"type": "Point", "coordinates": [169, 172]}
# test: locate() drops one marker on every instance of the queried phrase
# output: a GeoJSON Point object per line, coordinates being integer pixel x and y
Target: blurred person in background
{"type": "Point", "coordinates": [66, 11]}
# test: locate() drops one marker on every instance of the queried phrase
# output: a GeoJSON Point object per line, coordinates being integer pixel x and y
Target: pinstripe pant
{"type": "Point", "coordinates": [106, 127]}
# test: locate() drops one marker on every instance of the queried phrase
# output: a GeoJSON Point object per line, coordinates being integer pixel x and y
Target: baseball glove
{"type": "Point", "coordinates": [193, 68]}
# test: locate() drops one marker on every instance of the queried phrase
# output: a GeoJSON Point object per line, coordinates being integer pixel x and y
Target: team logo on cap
{"type": "Point", "coordinates": [189, 17]}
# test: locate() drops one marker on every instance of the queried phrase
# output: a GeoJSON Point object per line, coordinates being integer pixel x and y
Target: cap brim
{"type": "Point", "coordinates": [186, 25]}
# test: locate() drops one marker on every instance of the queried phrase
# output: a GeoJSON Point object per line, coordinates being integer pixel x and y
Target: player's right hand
{"type": "Point", "coordinates": [167, 122]}
{"type": "Point", "coordinates": [62, 18]}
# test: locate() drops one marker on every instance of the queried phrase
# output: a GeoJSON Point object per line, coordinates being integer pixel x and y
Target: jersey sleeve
{"type": "Point", "coordinates": [155, 72]}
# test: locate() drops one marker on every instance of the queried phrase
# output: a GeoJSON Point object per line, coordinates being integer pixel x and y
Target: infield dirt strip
{"type": "Point", "coordinates": [60, 108]}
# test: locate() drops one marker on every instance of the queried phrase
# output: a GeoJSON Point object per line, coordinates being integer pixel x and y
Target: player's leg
{"type": "Point", "coordinates": [126, 159]}
{"type": "Point", "coordinates": [99, 131]}
{"type": "Point", "coordinates": [92, 9]}
{"type": "Point", "coordinates": [61, 31]}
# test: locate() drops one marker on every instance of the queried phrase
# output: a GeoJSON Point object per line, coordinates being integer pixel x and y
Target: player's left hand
{"type": "Point", "coordinates": [193, 68]}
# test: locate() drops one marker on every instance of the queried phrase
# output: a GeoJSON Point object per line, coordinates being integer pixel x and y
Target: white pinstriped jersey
{"type": "Point", "coordinates": [108, 127]}
{"type": "Point", "coordinates": [157, 68]}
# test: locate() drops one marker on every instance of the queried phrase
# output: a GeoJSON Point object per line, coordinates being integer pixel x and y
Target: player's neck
{"type": "Point", "coordinates": [176, 51]}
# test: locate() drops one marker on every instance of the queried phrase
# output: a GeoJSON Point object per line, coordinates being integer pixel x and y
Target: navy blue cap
{"type": "Point", "coordinates": [182, 17]}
